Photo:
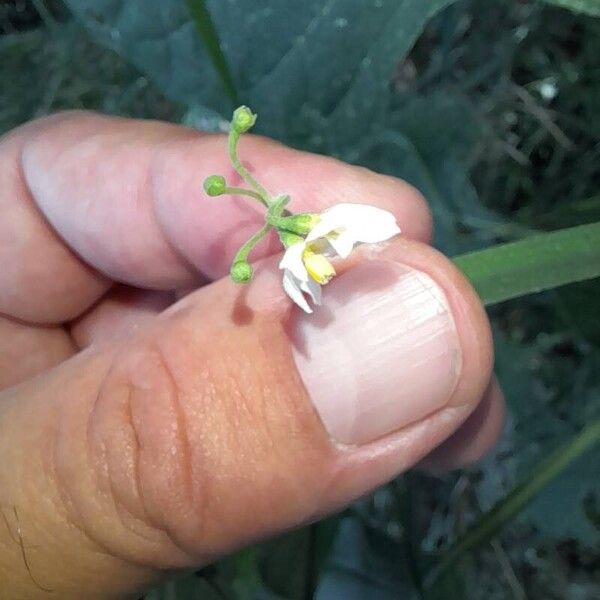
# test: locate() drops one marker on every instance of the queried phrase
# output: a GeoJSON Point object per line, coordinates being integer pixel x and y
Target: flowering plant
{"type": "Point", "coordinates": [310, 240]}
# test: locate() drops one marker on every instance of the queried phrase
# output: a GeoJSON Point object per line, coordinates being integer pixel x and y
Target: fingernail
{"type": "Point", "coordinates": [381, 353]}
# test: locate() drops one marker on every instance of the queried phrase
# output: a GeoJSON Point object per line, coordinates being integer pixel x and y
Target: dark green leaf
{"type": "Point", "coordinates": [439, 124]}
{"type": "Point", "coordinates": [308, 68]}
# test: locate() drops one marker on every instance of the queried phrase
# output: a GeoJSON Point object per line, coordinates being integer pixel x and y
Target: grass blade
{"type": "Point", "coordinates": [486, 527]}
{"type": "Point", "coordinates": [205, 26]}
{"type": "Point", "coordinates": [534, 264]}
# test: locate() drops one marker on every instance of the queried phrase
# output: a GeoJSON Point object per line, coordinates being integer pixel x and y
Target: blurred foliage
{"type": "Point", "coordinates": [590, 7]}
{"type": "Point", "coordinates": [491, 109]}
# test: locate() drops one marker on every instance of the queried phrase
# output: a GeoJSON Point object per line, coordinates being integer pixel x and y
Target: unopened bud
{"type": "Point", "coordinates": [215, 185]}
{"type": "Point", "coordinates": [241, 271]}
{"type": "Point", "coordinates": [243, 119]}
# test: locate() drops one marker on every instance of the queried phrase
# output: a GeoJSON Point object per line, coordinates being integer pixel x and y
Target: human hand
{"type": "Point", "coordinates": [144, 428]}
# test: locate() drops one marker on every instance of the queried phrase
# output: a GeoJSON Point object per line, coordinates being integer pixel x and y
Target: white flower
{"type": "Point", "coordinates": [306, 264]}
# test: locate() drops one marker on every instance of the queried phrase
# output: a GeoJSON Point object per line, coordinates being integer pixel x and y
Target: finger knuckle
{"type": "Point", "coordinates": [138, 438]}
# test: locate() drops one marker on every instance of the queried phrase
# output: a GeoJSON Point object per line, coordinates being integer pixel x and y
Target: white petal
{"type": "Point", "coordinates": [292, 261]}
{"type": "Point", "coordinates": [292, 287]}
{"type": "Point", "coordinates": [360, 222]}
{"type": "Point", "coordinates": [313, 289]}
{"type": "Point", "coordinates": [342, 243]}
{"type": "Point", "coordinates": [375, 232]}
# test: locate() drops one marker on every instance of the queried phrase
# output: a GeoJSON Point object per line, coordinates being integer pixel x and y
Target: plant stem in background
{"type": "Point", "coordinates": [490, 523]}
{"type": "Point", "coordinates": [537, 263]}
{"type": "Point", "coordinates": [204, 24]}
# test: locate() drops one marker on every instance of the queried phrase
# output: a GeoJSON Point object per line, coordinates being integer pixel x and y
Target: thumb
{"type": "Point", "coordinates": [231, 417]}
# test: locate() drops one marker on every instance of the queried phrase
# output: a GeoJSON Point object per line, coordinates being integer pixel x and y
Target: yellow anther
{"type": "Point", "coordinates": [318, 267]}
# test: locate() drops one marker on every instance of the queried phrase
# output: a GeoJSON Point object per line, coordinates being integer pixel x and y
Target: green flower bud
{"type": "Point", "coordinates": [241, 271]}
{"type": "Point", "coordinates": [300, 224]}
{"type": "Point", "coordinates": [215, 185]}
{"type": "Point", "coordinates": [243, 119]}
{"type": "Point", "coordinates": [288, 238]}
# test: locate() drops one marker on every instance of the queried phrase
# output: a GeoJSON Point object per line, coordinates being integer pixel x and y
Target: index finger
{"type": "Point", "coordinates": [93, 199]}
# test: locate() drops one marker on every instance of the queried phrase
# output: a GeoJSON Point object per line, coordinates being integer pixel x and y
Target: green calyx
{"type": "Point", "coordinates": [291, 228]}
{"type": "Point", "coordinates": [300, 224]}
{"type": "Point", "coordinates": [288, 238]}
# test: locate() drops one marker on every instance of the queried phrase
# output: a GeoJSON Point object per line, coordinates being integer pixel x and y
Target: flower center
{"type": "Point", "coordinates": [317, 266]}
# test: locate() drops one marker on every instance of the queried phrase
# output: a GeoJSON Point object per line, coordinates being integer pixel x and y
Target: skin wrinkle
{"type": "Point", "coordinates": [185, 456]}
{"type": "Point", "coordinates": [129, 425]}
{"type": "Point", "coordinates": [136, 452]}
{"type": "Point", "coordinates": [207, 393]}
{"type": "Point", "coordinates": [119, 502]}
{"type": "Point", "coordinates": [160, 526]}
{"type": "Point", "coordinates": [69, 510]}
{"type": "Point", "coordinates": [75, 519]}
{"type": "Point", "coordinates": [125, 515]}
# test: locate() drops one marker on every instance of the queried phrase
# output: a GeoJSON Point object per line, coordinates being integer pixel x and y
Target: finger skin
{"type": "Point", "coordinates": [27, 350]}
{"type": "Point", "coordinates": [41, 280]}
{"type": "Point", "coordinates": [474, 439]}
{"type": "Point", "coordinates": [118, 314]}
{"type": "Point", "coordinates": [197, 436]}
{"type": "Point", "coordinates": [88, 199]}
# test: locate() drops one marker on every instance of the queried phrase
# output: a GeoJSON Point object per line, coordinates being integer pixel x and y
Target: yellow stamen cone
{"type": "Point", "coordinates": [318, 267]}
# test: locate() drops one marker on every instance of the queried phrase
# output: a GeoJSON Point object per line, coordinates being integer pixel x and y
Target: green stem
{"type": "Point", "coordinates": [237, 191]}
{"type": "Point", "coordinates": [486, 527]}
{"type": "Point", "coordinates": [234, 137]}
{"type": "Point", "coordinates": [244, 251]}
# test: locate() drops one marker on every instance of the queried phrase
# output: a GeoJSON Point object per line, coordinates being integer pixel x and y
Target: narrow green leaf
{"type": "Point", "coordinates": [588, 7]}
{"type": "Point", "coordinates": [205, 26]}
{"type": "Point", "coordinates": [537, 263]}
{"type": "Point", "coordinates": [486, 527]}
